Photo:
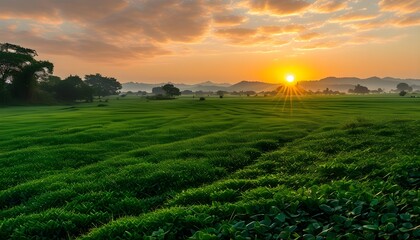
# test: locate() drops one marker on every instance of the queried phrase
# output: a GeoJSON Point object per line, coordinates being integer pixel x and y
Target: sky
{"type": "Point", "coordinates": [223, 41]}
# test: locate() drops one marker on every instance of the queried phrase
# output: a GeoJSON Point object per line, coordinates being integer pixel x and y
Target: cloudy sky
{"type": "Point", "coordinates": [193, 41]}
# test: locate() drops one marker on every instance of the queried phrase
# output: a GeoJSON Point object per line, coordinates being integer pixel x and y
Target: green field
{"type": "Point", "coordinates": [233, 168]}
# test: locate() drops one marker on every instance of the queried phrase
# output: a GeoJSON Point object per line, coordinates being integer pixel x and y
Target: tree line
{"type": "Point", "coordinates": [24, 79]}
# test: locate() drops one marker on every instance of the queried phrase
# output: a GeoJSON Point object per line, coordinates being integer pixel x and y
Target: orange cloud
{"type": "Point", "coordinates": [283, 7]}
{"type": "Point", "coordinates": [223, 19]}
{"type": "Point", "coordinates": [408, 20]}
{"type": "Point", "coordinates": [308, 36]}
{"type": "Point", "coordinates": [86, 48]}
{"type": "Point", "coordinates": [291, 28]}
{"type": "Point", "coordinates": [396, 21]}
{"type": "Point", "coordinates": [355, 16]}
{"type": "Point", "coordinates": [143, 26]}
{"type": "Point", "coordinates": [328, 6]}
{"type": "Point", "coordinates": [410, 6]}
{"type": "Point", "coordinates": [249, 36]}
{"type": "Point", "coordinates": [237, 32]}
{"type": "Point", "coordinates": [322, 45]}
{"type": "Point", "coordinates": [107, 30]}
{"type": "Point", "coordinates": [57, 10]}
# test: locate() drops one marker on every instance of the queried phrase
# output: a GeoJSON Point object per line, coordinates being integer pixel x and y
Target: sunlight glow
{"type": "Point", "coordinates": [290, 78]}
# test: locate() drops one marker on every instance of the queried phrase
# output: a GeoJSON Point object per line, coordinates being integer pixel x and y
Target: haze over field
{"type": "Point", "coordinates": [158, 41]}
{"type": "Point", "coordinates": [338, 84]}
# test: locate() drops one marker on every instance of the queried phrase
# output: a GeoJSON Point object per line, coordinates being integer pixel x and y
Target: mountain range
{"type": "Point", "coordinates": [337, 84]}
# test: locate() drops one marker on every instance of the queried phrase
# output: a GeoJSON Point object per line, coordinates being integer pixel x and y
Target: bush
{"type": "Point", "coordinates": [159, 97]}
{"type": "Point", "coordinates": [202, 98]}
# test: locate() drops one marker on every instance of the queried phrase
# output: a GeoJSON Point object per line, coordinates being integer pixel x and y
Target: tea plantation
{"type": "Point", "coordinates": [333, 167]}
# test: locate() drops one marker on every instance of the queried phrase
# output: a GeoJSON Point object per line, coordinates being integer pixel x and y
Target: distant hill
{"type": "Point", "coordinates": [345, 83]}
{"type": "Point", "coordinates": [338, 84]}
{"type": "Point", "coordinates": [205, 86]}
{"type": "Point", "coordinates": [253, 86]}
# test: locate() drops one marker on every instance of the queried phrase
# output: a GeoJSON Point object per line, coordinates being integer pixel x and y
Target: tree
{"type": "Point", "coordinates": [404, 87]}
{"type": "Point", "coordinates": [158, 91]}
{"type": "Point", "coordinates": [171, 90]}
{"type": "Point", "coordinates": [20, 72]}
{"type": "Point", "coordinates": [359, 89]}
{"type": "Point", "coordinates": [73, 88]}
{"type": "Point", "coordinates": [25, 83]}
{"type": "Point", "coordinates": [221, 93]}
{"type": "Point", "coordinates": [403, 93]}
{"type": "Point", "coordinates": [49, 84]}
{"type": "Point", "coordinates": [249, 93]}
{"type": "Point", "coordinates": [187, 92]}
{"type": "Point", "coordinates": [103, 86]}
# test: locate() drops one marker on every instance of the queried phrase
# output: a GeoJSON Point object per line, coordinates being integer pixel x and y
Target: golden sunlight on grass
{"type": "Point", "coordinates": [289, 91]}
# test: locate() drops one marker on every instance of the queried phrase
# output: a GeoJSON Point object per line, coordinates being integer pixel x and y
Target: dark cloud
{"type": "Point", "coordinates": [88, 48]}
{"type": "Point", "coordinates": [126, 29]}
{"type": "Point", "coordinates": [160, 20]}
{"type": "Point", "coordinates": [59, 10]}
{"type": "Point", "coordinates": [111, 23]}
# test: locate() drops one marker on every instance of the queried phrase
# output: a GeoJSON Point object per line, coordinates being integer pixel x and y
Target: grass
{"type": "Point", "coordinates": [334, 167]}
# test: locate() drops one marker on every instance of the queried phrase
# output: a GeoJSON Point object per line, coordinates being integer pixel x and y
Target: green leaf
{"type": "Point", "coordinates": [389, 217]}
{"type": "Point", "coordinates": [357, 210]}
{"type": "Point", "coordinates": [326, 208]}
{"type": "Point", "coordinates": [374, 202]}
{"type": "Point", "coordinates": [403, 229]}
{"type": "Point", "coordinates": [407, 225]}
{"type": "Point", "coordinates": [416, 233]}
{"type": "Point", "coordinates": [316, 225]}
{"type": "Point", "coordinates": [251, 225]}
{"type": "Point", "coordinates": [309, 237]}
{"type": "Point", "coordinates": [371, 227]}
{"type": "Point", "coordinates": [405, 236]}
{"type": "Point", "coordinates": [389, 227]}
{"type": "Point", "coordinates": [281, 217]}
{"type": "Point", "coordinates": [239, 224]}
{"type": "Point", "coordinates": [405, 217]}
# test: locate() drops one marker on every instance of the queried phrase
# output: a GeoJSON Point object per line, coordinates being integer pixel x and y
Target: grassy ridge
{"type": "Point", "coordinates": [220, 168]}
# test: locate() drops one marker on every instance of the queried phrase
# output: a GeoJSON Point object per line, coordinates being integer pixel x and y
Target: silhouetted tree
{"type": "Point", "coordinates": [103, 86]}
{"type": "Point", "coordinates": [171, 90]}
{"type": "Point", "coordinates": [187, 92]}
{"type": "Point", "coordinates": [73, 88]}
{"type": "Point", "coordinates": [403, 93]}
{"type": "Point", "coordinates": [221, 93]}
{"type": "Point", "coordinates": [20, 71]}
{"type": "Point", "coordinates": [328, 91]}
{"type": "Point", "coordinates": [49, 84]}
{"type": "Point", "coordinates": [141, 93]}
{"type": "Point", "coordinates": [249, 93]}
{"type": "Point", "coordinates": [404, 87]}
{"type": "Point", "coordinates": [25, 82]}
{"type": "Point", "coordinates": [359, 89]}
{"type": "Point", "coordinates": [158, 91]}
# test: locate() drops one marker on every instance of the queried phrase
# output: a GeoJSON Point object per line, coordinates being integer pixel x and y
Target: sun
{"type": "Point", "coordinates": [290, 78]}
